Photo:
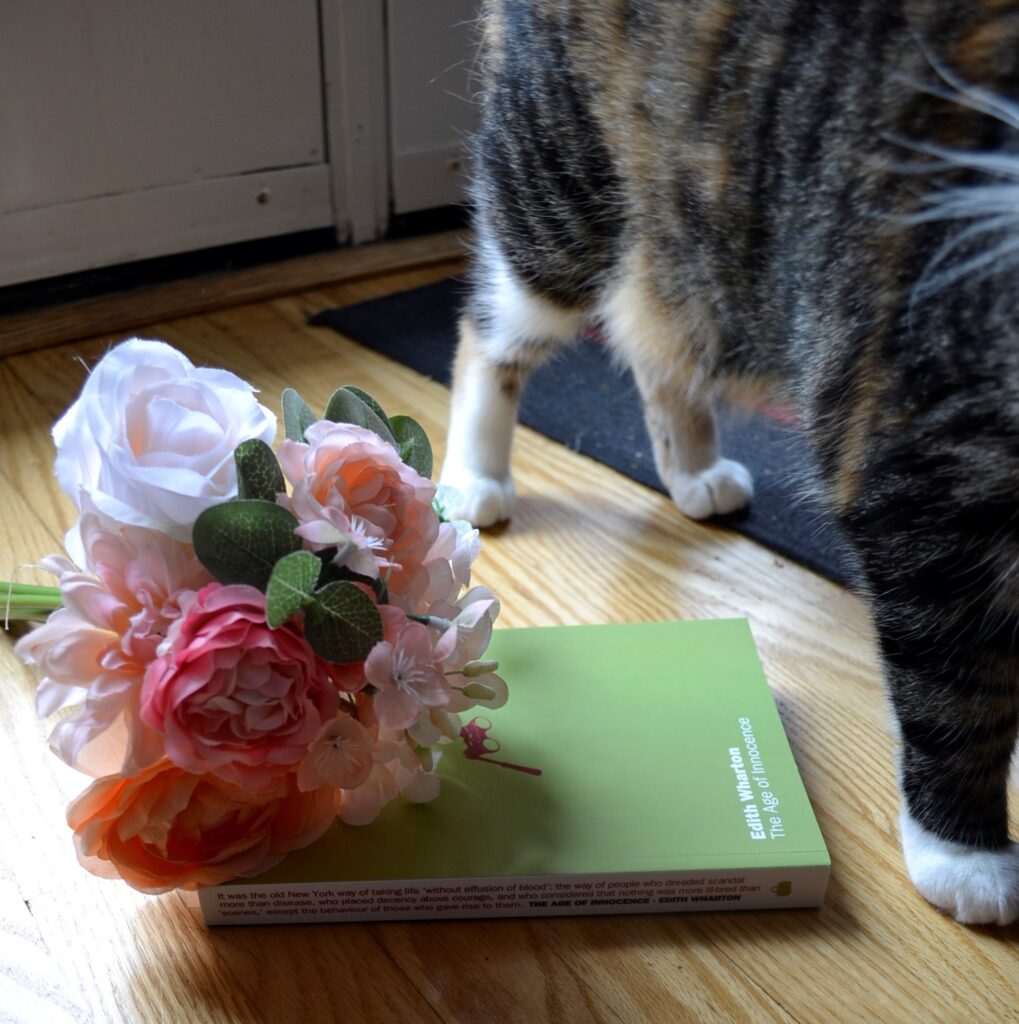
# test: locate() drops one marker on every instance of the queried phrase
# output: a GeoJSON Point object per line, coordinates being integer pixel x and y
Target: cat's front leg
{"type": "Point", "coordinates": [507, 331]}
{"type": "Point", "coordinates": [941, 578]}
{"type": "Point", "coordinates": [957, 718]}
{"type": "Point", "coordinates": [483, 413]}
{"type": "Point", "coordinates": [975, 886]}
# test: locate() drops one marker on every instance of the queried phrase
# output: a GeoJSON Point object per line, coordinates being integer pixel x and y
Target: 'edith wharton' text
{"type": "Point", "coordinates": [760, 805]}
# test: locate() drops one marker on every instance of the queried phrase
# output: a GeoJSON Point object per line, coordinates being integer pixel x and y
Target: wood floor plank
{"type": "Point", "coordinates": [586, 545]}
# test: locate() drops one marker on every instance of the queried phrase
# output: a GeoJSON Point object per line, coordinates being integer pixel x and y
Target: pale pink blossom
{"type": "Point", "coordinates": [397, 770]}
{"type": "Point", "coordinates": [406, 677]}
{"type": "Point", "coordinates": [446, 569]}
{"type": "Point", "coordinates": [422, 788]}
{"type": "Point", "coordinates": [470, 632]}
{"type": "Point", "coordinates": [351, 491]}
{"type": "Point", "coordinates": [440, 725]}
{"type": "Point", "coordinates": [362, 806]}
{"type": "Point", "coordinates": [341, 755]}
{"type": "Point", "coordinates": [93, 652]}
{"type": "Point", "coordinates": [233, 697]}
{"type": "Point", "coordinates": [487, 691]}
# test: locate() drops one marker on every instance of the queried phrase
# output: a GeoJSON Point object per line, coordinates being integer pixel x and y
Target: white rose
{"type": "Point", "coordinates": [150, 440]}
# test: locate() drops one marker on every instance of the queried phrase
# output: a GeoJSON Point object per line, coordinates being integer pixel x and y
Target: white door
{"type": "Point", "coordinates": [136, 128]}
{"type": "Point", "coordinates": [431, 46]}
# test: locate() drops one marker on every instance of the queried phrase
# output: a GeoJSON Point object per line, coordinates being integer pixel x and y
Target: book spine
{"type": "Point", "coordinates": [534, 896]}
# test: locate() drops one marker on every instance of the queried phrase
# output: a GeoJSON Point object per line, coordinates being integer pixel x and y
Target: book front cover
{"type": "Point", "coordinates": [661, 755]}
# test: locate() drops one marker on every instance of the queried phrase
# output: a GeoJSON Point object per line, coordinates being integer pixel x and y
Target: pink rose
{"type": "Point", "coordinates": [351, 491]}
{"type": "Point", "coordinates": [232, 696]}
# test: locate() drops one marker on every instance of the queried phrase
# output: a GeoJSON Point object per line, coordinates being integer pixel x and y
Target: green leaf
{"type": "Point", "coordinates": [297, 417]}
{"type": "Point", "coordinates": [292, 583]}
{"type": "Point", "coordinates": [342, 623]}
{"type": "Point", "coordinates": [346, 407]}
{"type": "Point", "coordinates": [369, 401]}
{"type": "Point", "coordinates": [413, 445]}
{"type": "Point", "coordinates": [258, 473]}
{"type": "Point", "coordinates": [241, 541]}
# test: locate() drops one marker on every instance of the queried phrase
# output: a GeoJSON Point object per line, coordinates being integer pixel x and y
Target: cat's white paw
{"type": "Point", "coordinates": [974, 886]}
{"type": "Point", "coordinates": [484, 501]}
{"type": "Point", "coordinates": [724, 486]}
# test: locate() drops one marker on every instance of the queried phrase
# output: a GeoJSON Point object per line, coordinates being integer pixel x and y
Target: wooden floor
{"type": "Point", "coordinates": [586, 545]}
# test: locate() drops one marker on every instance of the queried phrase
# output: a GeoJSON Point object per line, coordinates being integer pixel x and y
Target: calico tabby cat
{"type": "Point", "coordinates": [820, 196]}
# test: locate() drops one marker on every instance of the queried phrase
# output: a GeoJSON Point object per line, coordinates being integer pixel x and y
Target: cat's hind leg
{"type": "Point", "coordinates": [663, 348]}
{"type": "Point", "coordinates": [507, 330]}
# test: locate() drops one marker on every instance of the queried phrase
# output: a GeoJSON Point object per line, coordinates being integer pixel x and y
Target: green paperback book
{"type": "Point", "coordinates": [666, 784]}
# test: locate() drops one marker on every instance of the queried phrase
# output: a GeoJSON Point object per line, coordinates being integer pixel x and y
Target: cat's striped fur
{"type": "Point", "coordinates": [795, 195]}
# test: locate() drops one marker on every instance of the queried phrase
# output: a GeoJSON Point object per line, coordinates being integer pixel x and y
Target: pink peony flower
{"type": "Point", "coordinates": [233, 697]}
{"type": "Point", "coordinates": [405, 674]}
{"type": "Point", "coordinates": [351, 491]}
{"type": "Point", "coordinates": [93, 652]}
{"type": "Point", "coordinates": [166, 829]}
{"type": "Point", "coordinates": [150, 440]}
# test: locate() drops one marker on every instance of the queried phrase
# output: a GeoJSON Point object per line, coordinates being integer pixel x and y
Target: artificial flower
{"type": "Point", "coordinates": [446, 569]}
{"type": "Point", "coordinates": [221, 742]}
{"type": "Point", "coordinates": [470, 631]}
{"type": "Point", "coordinates": [93, 653]}
{"type": "Point", "coordinates": [341, 755]}
{"type": "Point", "coordinates": [406, 676]}
{"type": "Point", "coordinates": [352, 492]}
{"type": "Point", "coordinates": [150, 440]}
{"type": "Point", "coordinates": [166, 828]}
{"type": "Point", "coordinates": [233, 697]}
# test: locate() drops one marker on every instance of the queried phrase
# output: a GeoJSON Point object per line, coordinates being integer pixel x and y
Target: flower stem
{"type": "Point", "coordinates": [28, 588]}
{"type": "Point", "coordinates": [25, 601]}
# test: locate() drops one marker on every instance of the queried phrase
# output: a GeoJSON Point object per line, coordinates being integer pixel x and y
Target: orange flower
{"type": "Point", "coordinates": [167, 829]}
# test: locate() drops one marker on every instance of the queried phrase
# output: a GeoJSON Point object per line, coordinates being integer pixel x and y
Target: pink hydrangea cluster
{"type": "Point", "coordinates": [219, 739]}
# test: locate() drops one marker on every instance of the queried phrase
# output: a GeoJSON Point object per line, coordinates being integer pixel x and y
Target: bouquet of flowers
{"type": "Point", "coordinates": [246, 644]}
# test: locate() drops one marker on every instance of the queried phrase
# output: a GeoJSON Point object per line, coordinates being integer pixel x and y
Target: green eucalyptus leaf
{"type": "Point", "coordinates": [241, 541]}
{"type": "Point", "coordinates": [342, 623]}
{"type": "Point", "coordinates": [346, 407]}
{"type": "Point", "coordinates": [292, 583]}
{"type": "Point", "coordinates": [413, 445]}
{"type": "Point", "coordinates": [258, 473]}
{"type": "Point", "coordinates": [369, 401]}
{"type": "Point", "coordinates": [297, 417]}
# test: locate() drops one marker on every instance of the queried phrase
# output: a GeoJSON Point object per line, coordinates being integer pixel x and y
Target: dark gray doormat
{"type": "Point", "coordinates": [582, 400]}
